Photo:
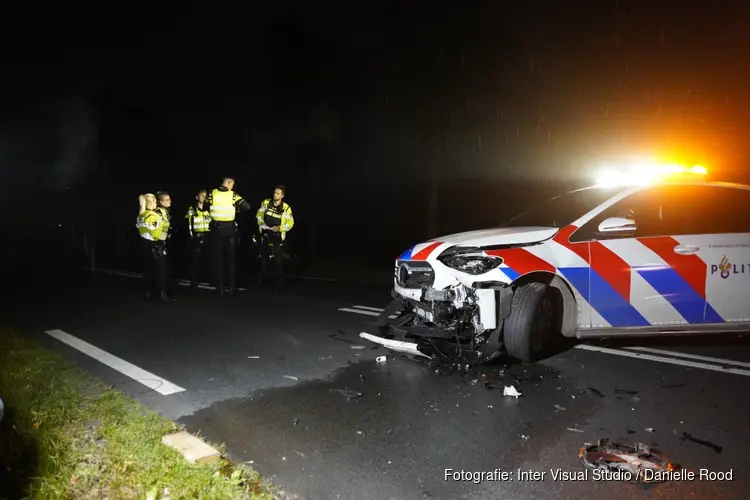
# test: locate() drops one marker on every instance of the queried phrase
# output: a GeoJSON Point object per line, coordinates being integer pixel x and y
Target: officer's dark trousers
{"type": "Point", "coordinates": [195, 252]}
{"type": "Point", "coordinates": [272, 249]}
{"type": "Point", "coordinates": [224, 238]}
{"type": "Point", "coordinates": [155, 268]}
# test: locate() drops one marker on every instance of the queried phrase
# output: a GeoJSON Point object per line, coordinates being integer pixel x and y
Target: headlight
{"type": "Point", "coordinates": [473, 263]}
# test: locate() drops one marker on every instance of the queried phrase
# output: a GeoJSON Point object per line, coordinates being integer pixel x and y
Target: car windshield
{"type": "Point", "coordinates": [561, 210]}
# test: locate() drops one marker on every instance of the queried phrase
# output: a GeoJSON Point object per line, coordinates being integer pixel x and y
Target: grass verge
{"type": "Point", "coordinates": [67, 435]}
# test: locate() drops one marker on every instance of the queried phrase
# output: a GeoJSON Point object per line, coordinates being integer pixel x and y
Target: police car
{"type": "Point", "coordinates": [663, 251]}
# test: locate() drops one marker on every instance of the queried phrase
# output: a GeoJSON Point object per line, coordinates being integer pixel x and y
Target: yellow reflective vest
{"type": "Point", "coordinates": [223, 205]}
{"type": "Point", "coordinates": [165, 223]}
{"type": "Point", "coordinates": [149, 225]}
{"type": "Point", "coordinates": [199, 221]}
{"type": "Point", "coordinates": [282, 214]}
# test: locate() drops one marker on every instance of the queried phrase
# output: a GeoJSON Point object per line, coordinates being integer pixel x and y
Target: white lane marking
{"type": "Point", "coordinates": [660, 359]}
{"type": "Point", "coordinates": [366, 313]}
{"type": "Point", "coordinates": [150, 380]}
{"type": "Point", "coordinates": [132, 274]}
{"type": "Point", "coordinates": [182, 282]}
{"type": "Point", "coordinates": [366, 310]}
{"type": "Point", "coordinates": [685, 355]}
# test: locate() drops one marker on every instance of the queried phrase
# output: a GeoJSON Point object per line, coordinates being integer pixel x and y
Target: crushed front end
{"type": "Point", "coordinates": [445, 307]}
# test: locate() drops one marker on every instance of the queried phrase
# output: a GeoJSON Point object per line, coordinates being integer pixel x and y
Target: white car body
{"type": "Point", "coordinates": [663, 258]}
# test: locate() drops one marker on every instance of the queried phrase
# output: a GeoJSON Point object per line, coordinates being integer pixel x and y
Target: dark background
{"type": "Point", "coordinates": [389, 122]}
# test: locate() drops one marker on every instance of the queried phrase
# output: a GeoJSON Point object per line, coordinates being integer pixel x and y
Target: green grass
{"type": "Point", "coordinates": [67, 436]}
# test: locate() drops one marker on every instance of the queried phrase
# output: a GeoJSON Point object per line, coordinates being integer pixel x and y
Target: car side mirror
{"type": "Point", "coordinates": [614, 225]}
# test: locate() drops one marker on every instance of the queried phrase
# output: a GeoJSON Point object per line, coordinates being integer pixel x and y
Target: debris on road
{"type": "Point", "coordinates": [349, 394]}
{"type": "Point", "coordinates": [291, 377]}
{"type": "Point", "coordinates": [358, 347]}
{"type": "Point", "coordinates": [625, 391]}
{"type": "Point", "coordinates": [708, 444]}
{"type": "Point", "coordinates": [597, 392]}
{"type": "Point", "coordinates": [253, 357]}
{"type": "Point", "coordinates": [525, 438]}
{"type": "Point", "coordinates": [672, 386]}
{"type": "Point", "coordinates": [631, 460]}
{"type": "Point", "coordinates": [561, 408]}
{"type": "Point", "coordinates": [296, 421]}
{"type": "Point", "coordinates": [381, 359]}
{"type": "Point", "coordinates": [511, 391]}
{"type": "Point", "coordinates": [649, 429]}
{"type": "Point", "coordinates": [575, 429]}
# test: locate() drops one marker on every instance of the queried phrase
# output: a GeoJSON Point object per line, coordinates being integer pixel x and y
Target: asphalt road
{"type": "Point", "coordinates": [270, 374]}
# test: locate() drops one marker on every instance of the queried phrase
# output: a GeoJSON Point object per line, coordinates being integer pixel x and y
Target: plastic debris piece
{"type": "Point", "coordinates": [630, 461]}
{"type": "Point", "coordinates": [708, 444]}
{"type": "Point", "coordinates": [253, 357]}
{"type": "Point", "coordinates": [649, 429]}
{"type": "Point", "coordinates": [296, 421]}
{"type": "Point", "coordinates": [511, 391]}
{"type": "Point", "coordinates": [574, 429]}
{"type": "Point", "coordinates": [625, 391]}
{"type": "Point", "coordinates": [597, 392]}
{"type": "Point", "coordinates": [360, 433]}
{"type": "Point", "coordinates": [525, 438]}
{"type": "Point", "coordinates": [291, 377]}
{"type": "Point", "coordinates": [381, 359]}
{"type": "Point", "coordinates": [358, 347]}
{"type": "Point", "coordinates": [561, 408]}
{"type": "Point", "coordinates": [348, 393]}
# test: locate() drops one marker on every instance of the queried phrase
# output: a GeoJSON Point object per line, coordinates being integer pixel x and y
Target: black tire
{"type": "Point", "coordinates": [534, 319]}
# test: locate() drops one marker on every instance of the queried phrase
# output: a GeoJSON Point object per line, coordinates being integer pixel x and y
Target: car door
{"type": "Point", "coordinates": [644, 276]}
{"type": "Point", "coordinates": [720, 238]}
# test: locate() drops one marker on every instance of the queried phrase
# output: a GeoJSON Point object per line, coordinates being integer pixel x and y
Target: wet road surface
{"type": "Point", "coordinates": [278, 378]}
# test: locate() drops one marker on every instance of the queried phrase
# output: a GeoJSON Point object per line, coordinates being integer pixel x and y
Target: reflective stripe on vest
{"type": "Point", "coordinates": [201, 221]}
{"type": "Point", "coordinates": [164, 223]}
{"type": "Point", "coordinates": [222, 208]}
{"type": "Point", "coordinates": [149, 225]}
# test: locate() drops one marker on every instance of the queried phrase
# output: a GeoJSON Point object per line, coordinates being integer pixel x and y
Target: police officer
{"type": "Point", "coordinates": [163, 208]}
{"type": "Point", "coordinates": [150, 224]}
{"type": "Point", "coordinates": [224, 204]}
{"type": "Point", "coordinates": [274, 219]}
{"type": "Point", "coordinates": [199, 219]}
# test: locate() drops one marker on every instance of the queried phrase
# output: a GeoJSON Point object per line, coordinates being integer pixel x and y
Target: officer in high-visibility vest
{"type": "Point", "coordinates": [223, 205]}
{"type": "Point", "coordinates": [150, 224]}
{"type": "Point", "coordinates": [199, 219]}
{"type": "Point", "coordinates": [163, 207]}
{"type": "Point", "coordinates": [275, 219]}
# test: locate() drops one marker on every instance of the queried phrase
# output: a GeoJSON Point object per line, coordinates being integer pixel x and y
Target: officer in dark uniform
{"type": "Point", "coordinates": [199, 220]}
{"type": "Point", "coordinates": [223, 205]}
{"type": "Point", "coordinates": [275, 219]}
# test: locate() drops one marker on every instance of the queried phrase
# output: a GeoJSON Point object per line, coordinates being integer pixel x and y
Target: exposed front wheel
{"type": "Point", "coordinates": [534, 321]}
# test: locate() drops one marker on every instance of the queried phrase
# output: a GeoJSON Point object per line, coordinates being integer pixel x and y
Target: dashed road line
{"type": "Point", "coordinates": [158, 384]}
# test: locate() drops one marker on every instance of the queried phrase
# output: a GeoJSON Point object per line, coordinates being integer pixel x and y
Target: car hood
{"type": "Point", "coordinates": [499, 236]}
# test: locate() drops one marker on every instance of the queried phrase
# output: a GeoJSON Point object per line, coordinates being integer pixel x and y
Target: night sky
{"type": "Point", "coordinates": [375, 115]}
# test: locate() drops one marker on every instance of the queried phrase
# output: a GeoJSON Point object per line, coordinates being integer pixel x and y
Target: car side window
{"type": "Point", "coordinates": [719, 209]}
{"type": "Point", "coordinates": [656, 211]}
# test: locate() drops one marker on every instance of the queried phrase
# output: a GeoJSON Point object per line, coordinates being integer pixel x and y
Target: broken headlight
{"type": "Point", "coordinates": [472, 263]}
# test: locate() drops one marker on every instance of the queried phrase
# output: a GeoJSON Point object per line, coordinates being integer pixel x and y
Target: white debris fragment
{"type": "Point", "coordinates": [561, 408]}
{"type": "Point", "coordinates": [525, 438]}
{"type": "Point", "coordinates": [381, 359]}
{"type": "Point", "coordinates": [360, 433]}
{"type": "Point", "coordinates": [573, 429]}
{"type": "Point", "coordinates": [358, 347]}
{"type": "Point", "coordinates": [291, 377]}
{"type": "Point", "coordinates": [511, 391]}
{"type": "Point", "coordinates": [253, 357]}
{"type": "Point", "coordinates": [649, 429]}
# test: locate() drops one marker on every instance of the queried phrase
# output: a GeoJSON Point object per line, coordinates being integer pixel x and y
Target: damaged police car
{"type": "Point", "coordinates": [596, 262]}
